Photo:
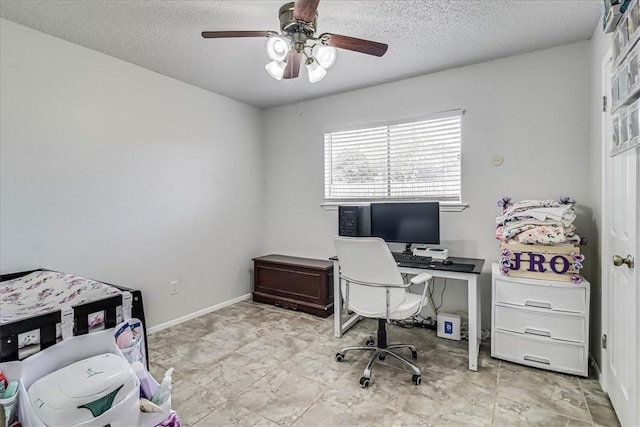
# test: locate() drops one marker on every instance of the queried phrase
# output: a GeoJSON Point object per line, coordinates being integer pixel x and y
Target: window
{"type": "Point", "coordinates": [417, 160]}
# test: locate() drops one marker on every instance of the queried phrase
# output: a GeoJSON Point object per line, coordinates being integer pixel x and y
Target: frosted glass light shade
{"type": "Point", "coordinates": [325, 55]}
{"type": "Point", "coordinates": [316, 72]}
{"type": "Point", "coordinates": [277, 48]}
{"type": "Point", "coordinates": [276, 69]}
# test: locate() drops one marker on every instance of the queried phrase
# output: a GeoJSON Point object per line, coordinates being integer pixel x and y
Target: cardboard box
{"type": "Point", "coordinates": [555, 262]}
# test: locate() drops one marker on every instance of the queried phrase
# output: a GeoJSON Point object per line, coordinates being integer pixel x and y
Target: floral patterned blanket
{"type": "Point", "coordinates": [542, 222]}
{"type": "Point", "coordinates": [45, 291]}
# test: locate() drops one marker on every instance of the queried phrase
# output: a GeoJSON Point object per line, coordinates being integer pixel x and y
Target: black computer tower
{"type": "Point", "coordinates": [354, 221]}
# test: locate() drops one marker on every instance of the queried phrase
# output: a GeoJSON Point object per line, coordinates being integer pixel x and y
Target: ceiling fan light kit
{"type": "Point", "coordinates": [276, 69]}
{"type": "Point", "coordinates": [325, 55]}
{"type": "Point", "coordinates": [297, 39]}
{"type": "Point", "coordinates": [315, 71]}
{"type": "Point", "coordinates": [278, 47]}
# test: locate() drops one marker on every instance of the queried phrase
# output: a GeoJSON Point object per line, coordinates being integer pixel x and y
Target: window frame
{"type": "Point", "coordinates": [445, 205]}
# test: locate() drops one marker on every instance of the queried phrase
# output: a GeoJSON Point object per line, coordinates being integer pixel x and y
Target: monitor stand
{"type": "Point", "coordinates": [407, 249]}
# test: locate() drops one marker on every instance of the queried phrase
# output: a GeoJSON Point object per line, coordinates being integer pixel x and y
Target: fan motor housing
{"type": "Point", "coordinates": [290, 25]}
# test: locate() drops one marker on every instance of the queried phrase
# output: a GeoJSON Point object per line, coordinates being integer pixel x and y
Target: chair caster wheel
{"type": "Point", "coordinates": [382, 356]}
{"type": "Point", "coordinates": [364, 382]}
{"type": "Point", "coordinates": [370, 342]}
{"type": "Point", "coordinates": [414, 355]}
{"type": "Point", "coordinates": [416, 379]}
{"type": "Point", "coordinates": [339, 357]}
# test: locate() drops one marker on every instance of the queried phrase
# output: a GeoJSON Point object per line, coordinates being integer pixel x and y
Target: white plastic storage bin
{"type": "Point", "coordinates": [633, 20]}
{"type": "Point", "coordinates": [620, 42]}
{"type": "Point", "coordinates": [624, 127]}
{"type": "Point", "coordinates": [616, 49]}
{"type": "Point", "coordinates": [632, 67]}
{"type": "Point", "coordinates": [634, 122]}
{"type": "Point", "coordinates": [623, 81]}
{"type": "Point", "coordinates": [63, 354]}
{"type": "Point", "coordinates": [615, 130]}
{"type": "Point", "coordinates": [623, 35]}
{"type": "Point", "coordinates": [541, 323]}
{"type": "Point", "coordinates": [615, 90]}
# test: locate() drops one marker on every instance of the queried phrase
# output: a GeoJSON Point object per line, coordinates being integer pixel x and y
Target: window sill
{"type": "Point", "coordinates": [444, 206]}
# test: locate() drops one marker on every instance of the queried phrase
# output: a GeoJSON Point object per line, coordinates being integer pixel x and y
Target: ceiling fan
{"type": "Point", "coordinates": [297, 40]}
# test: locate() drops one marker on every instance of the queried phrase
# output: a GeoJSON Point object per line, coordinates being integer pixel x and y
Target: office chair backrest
{"type": "Point", "coordinates": [369, 260]}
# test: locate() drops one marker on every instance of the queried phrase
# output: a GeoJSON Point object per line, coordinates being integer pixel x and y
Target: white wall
{"type": "Point", "coordinates": [114, 172]}
{"type": "Point", "coordinates": [533, 109]}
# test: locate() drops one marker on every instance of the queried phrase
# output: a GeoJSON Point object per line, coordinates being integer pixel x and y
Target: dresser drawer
{"type": "Point", "coordinates": [558, 297]}
{"type": "Point", "coordinates": [540, 352]}
{"type": "Point", "coordinates": [540, 323]}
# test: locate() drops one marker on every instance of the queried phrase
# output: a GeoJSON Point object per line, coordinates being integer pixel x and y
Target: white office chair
{"type": "Point", "coordinates": [372, 286]}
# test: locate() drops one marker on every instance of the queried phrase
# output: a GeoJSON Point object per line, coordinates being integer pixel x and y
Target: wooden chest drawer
{"type": "Point", "coordinates": [564, 297]}
{"type": "Point", "coordinates": [565, 327]}
{"type": "Point", "coordinates": [303, 284]}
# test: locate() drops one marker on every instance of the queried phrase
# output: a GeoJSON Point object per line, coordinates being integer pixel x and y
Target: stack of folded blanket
{"type": "Point", "coordinates": [541, 222]}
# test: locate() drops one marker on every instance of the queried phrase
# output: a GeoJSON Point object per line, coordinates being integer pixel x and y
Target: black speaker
{"type": "Point", "coordinates": [354, 221]}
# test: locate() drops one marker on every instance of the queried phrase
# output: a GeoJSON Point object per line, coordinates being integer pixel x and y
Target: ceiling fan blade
{"type": "Point", "coordinates": [305, 10]}
{"type": "Point", "coordinates": [293, 66]}
{"type": "Point", "coordinates": [225, 34]}
{"type": "Point", "coordinates": [357, 45]}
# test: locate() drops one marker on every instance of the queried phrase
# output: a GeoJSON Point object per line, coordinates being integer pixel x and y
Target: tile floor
{"type": "Point", "coordinates": [253, 364]}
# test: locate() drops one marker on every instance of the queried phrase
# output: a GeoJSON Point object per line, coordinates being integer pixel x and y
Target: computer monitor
{"type": "Point", "coordinates": [406, 222]}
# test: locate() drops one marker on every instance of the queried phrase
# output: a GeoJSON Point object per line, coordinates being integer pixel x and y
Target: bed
{"type": "Point", "coordinates": [28, 303]}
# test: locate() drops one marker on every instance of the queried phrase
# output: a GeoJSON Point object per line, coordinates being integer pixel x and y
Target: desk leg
{"type": "Point", "coordinates": [474, 322]}
{"type": "Point", "coordinates": [337, 301]}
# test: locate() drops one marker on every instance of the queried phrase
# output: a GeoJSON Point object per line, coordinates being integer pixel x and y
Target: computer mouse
{"type": "Point", "coordinates": [447, 262]}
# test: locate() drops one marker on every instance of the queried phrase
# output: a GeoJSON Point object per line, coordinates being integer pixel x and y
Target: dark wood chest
{"type": "Point", "coordinates": [294, 283]}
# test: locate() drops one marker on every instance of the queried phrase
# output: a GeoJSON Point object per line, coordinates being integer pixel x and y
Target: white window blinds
{"type": "Point", "coordinates": [418, 160]}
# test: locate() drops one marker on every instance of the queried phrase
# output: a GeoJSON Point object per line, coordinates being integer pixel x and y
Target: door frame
{"type": "Point", "coordinates": [605, 244]}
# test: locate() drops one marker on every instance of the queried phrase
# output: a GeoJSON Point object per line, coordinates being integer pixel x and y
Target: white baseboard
{"type": "Point", "coordinates": [198, 313]}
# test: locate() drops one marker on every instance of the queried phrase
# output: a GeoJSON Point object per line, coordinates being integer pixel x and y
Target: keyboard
{"type": "Point", "coordinates": [409, 260]}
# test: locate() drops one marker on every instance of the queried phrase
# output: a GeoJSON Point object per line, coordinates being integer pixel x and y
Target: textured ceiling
{"type": "Point", "coordinates": [423, 37]}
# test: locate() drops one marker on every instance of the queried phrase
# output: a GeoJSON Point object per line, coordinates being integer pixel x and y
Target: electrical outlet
{"type": "Point", "coordinates": [174, 287]}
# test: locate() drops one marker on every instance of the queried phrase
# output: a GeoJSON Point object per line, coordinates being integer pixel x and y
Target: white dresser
{"type": "Point", "coordinates": [540, 323]}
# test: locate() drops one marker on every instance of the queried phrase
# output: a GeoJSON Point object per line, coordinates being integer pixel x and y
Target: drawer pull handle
{"type": "Point", "coordinates": [540, 332]}
{"type": "Point", "coordinates": [538, 304]}
{"type": "Point", "coordinates": [537, 360]}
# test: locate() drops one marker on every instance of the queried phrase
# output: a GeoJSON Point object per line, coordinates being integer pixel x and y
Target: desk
{"type": "Point", "coordinates": [436, 269]}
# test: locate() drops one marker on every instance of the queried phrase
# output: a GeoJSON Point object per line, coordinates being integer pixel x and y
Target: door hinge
{"type": "Point", "coordinates": [604, 104]}
{"type": "Point", "coordinates": [604, 341]}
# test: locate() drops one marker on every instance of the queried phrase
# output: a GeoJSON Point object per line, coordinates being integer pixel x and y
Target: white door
{"type": "Point", "coordinates": [621, 296]}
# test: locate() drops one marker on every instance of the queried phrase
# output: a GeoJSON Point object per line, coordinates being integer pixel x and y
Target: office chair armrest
{"type": "Point", "coordinates": [420, 278]}
{"type": "Point", "coordinates": [375, 285]}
